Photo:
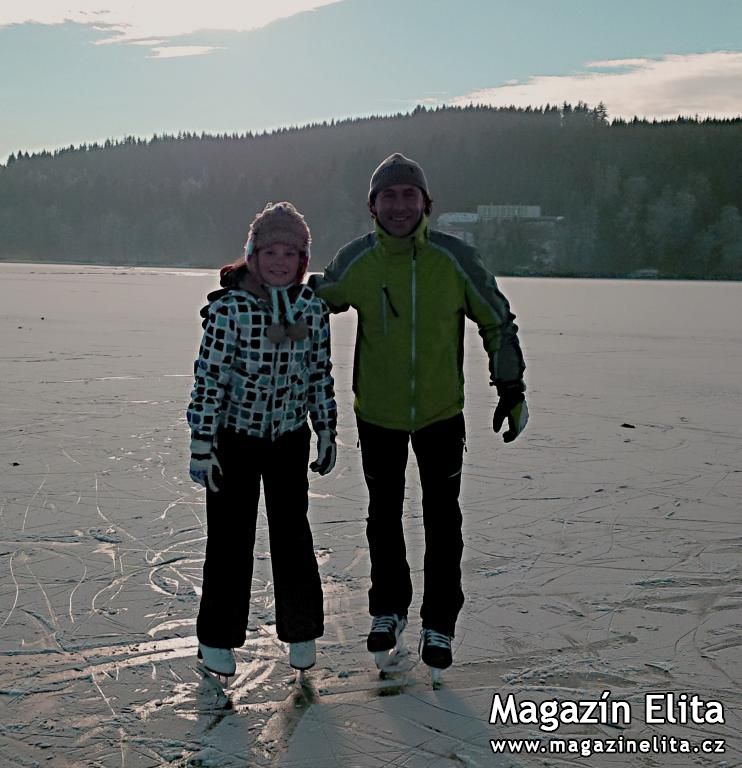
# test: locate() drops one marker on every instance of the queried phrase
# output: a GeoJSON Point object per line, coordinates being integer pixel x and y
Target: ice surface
{"type": "Point", "coordinates": [602, 547]}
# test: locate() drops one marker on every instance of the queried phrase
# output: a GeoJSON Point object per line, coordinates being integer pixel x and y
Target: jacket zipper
{"type": "Point", "coordinates": [414, 350]}
{"type": "Point", "coordinates": [274, 381]}
{"type": "Point", "coordinates": [383, 308]}
{"type": "Point", "coordinates": [271, 409]}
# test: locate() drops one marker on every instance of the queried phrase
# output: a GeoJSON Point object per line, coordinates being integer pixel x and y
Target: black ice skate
{"type": "Point", "coordinates": [384, 638]}
{"type": "Point", "coordinates": [435, 651]}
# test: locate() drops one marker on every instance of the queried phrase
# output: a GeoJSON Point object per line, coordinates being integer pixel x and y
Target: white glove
{"type": "Point", "coordinates": [326, 452]}
{"type": "Point", "coordinates": [205, 468]}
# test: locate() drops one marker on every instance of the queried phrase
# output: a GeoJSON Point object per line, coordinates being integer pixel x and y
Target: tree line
{"type": "Point", "coordinates": [631, 195]}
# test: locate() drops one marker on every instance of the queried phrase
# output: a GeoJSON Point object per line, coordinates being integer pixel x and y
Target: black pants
{"type": "Point", "coordinates": [439, 449]}
{"type": "Point", "coordinates": [231, 518]}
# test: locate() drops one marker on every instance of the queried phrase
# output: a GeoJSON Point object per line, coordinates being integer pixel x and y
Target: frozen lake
{"type": "Point", "coordinates": [602, 547]}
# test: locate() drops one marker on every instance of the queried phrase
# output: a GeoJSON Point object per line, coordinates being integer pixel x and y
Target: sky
{"type": "Point", "coordinates": [80, 71]}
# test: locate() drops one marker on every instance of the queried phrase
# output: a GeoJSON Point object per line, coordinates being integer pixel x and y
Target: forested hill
{"type": "Point", "coordinates": [638, 195]}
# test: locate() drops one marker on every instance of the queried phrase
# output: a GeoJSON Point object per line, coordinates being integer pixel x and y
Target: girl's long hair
{"type": "Point", "coordinates": [231, 274]}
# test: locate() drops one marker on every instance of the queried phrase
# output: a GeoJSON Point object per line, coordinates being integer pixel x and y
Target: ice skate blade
{"type": "Point", "coordinates": [387, 659]}
{"type": "Point", "coordinates": [435, 677]}
{"type": "Point", "coordinates": [219, 678]}
{"type": "Point", "coordinates": [382, 659]}
{"type": "Point", "coordinates": [301, 678]}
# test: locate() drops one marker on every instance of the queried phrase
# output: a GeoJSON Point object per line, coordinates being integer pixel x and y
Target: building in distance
{"type": "Point", "coordinates": [512, 239]}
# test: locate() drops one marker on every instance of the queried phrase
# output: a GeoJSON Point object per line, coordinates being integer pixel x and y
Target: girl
{"type": "Point", "coordinates": [263, 364]}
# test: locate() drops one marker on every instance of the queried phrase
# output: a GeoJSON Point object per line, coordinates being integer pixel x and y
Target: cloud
{"type": "Point", "coordinates": [704, 84]}
{"type": "Point", "coordinates": [131, 20]}
{"type": "Point", "coordinates": [176, 51]}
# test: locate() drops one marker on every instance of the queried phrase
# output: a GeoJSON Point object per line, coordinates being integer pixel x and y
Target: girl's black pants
{"type": "Point", "coordinates": [231, 518]}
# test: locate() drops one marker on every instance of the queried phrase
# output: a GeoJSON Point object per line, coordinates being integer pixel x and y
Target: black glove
{"type": "Point", "coordinates": [326, 452]}
{"type": "Point", "coordinates": [512, 405]}
{"type": "Point", "coordinates": [314, 281]}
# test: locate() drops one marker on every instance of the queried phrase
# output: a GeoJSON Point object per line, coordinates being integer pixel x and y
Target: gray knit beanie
{"type": "Point", "coordinates": [397, 169]}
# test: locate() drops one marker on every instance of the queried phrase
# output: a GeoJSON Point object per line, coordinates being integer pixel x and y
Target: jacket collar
{"type": "Point", "coordinates": [252, 285]}
{"type": "Point", "coordinates": [402, 245]}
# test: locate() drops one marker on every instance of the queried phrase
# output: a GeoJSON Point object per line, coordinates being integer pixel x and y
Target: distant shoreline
{"type": "Point", "coordinates": [540, 276]}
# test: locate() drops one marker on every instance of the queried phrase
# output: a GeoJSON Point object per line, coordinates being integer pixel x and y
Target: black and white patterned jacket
{"type": "Point", "coordinates": [247, 383]}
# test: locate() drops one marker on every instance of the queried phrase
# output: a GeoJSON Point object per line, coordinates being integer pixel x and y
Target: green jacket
{"type": "Point", "coordinates": [412, 295]}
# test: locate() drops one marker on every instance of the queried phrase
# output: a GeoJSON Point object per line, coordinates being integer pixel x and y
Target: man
{"type": "Point", "coordinates": [412, 288]}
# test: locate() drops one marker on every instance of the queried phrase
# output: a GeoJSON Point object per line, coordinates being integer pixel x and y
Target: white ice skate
{"type": "Point", "coordinates": [218, 661]}
{"type": "Point", "coordinates": [385, 641]}
{"type": "Point", "coordinates": [435, 651]}
{"type": "Point", "coordinates": [302, 656]}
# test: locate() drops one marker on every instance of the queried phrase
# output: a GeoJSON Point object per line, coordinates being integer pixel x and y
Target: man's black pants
{"type": "Point", "coordinates": [439, 449]}
{"type": "Point", "coordinates": [231, 517]}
